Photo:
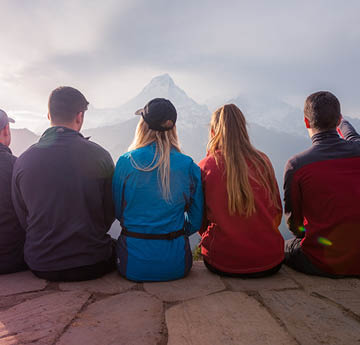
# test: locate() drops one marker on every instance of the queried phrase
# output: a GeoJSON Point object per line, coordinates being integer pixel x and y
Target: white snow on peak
{"type": "Point", "coordinates": [161, 83]}
{"type": "Point", "coordinates": [189, 112]}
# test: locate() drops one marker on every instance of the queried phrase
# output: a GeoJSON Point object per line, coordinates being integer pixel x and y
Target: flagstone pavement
{"type": "Point", "coordinates": [201, 309]}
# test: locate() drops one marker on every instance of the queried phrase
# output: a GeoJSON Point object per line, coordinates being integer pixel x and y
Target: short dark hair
{"type": "Point", "coordinates": [322, 109]}
{"type": "Point", "coordinates": [65, 103]}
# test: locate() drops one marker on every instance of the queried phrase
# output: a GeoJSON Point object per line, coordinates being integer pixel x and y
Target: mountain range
{"type": "Point", "coordinates": [275, 127]}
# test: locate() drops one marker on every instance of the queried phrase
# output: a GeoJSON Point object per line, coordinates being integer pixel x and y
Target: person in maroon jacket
{"type": "Point", "coordinates": [240, 235]}
{"type": "Point", "coordinates": [322, 193]}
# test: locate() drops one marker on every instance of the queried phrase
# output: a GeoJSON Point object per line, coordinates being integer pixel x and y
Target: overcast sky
{"type": "Point", "coordinates": [212, 49]}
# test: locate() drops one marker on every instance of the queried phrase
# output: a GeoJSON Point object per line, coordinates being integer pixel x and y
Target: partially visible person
{"type": "Point", "coordinates": [62, 196]}
{"type": "Point", "coordinates": [12, 236]}
{"type": "Point", "coordinates": [240, 235]}
{"type": "Point", "coordinates": [158, 199]}
{"type": "Point", "coordinates": [322, 193]}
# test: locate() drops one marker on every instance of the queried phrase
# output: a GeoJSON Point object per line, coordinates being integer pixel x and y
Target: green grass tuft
{"type": "Point", "coordinates": [197, 254]}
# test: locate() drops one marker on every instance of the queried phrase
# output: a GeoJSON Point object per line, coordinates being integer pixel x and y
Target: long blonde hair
{"type": "Point", "coordinates": [164, 142]}
{"type": "Point", "coordinates": [229, 135]}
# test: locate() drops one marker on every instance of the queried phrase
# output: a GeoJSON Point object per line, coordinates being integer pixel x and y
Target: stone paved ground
{"type": "Point", "coordinates": [202, 309]}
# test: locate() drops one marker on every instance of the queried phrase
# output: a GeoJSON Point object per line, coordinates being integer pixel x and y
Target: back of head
{"type": "Point", "coordinates": [65, 103]}
{"type": "Point", "coordinates": [322, 109]}
{"type": "Point", "coordinates": [228, 125]}
{"type": "Point", "coordinates": [5, 134]}
{"type": "Point", "coordinates": [230, 136]}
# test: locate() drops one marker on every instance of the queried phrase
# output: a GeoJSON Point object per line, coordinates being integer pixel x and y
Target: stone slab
{"type": "Point", "coordinates": [111, 283]}
{"type": "Point", "coordinates": [317, 284]}
{"type": "Point", "coordinates": [224, 318]}
{"type": "Point", "coordinates": [11, 300]}
{"type": "Point", "coordinates": [311, 320]}
{"type": "Point", "coordinates": [11, 284]}
{"type": "Point", "coordinates": [41, 320]}
{"type": "Point", "coordinates": [349, 299]}
{"type": "Point", "coordinates": [199, 282]}
{"type": "Point", "coordinates": [132, 318]}
{"type": "Point", "coordinates": [278, 281]}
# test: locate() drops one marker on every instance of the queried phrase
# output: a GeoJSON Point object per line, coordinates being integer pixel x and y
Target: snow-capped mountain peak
{"type": "Point", "coordinates": [160, 83]}
{"type": "Point", "coordinates": [163, 86]}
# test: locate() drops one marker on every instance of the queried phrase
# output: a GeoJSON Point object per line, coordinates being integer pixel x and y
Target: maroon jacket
{"type": "Point", "coordinates": [322, 200]}
{"type": "Point", "coordinates": [234, 243]}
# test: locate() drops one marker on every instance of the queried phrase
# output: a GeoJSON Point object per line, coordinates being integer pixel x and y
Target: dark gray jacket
{"type": "Point", "coordinates": [12, 236]}
{"type": "Point", "coordinates": [62, 196]}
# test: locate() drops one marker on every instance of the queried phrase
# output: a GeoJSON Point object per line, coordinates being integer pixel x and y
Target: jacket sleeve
{"type": "Point", "coordinates": [109, 209]}
{"type": "Point", "coordinates": [205, 221]}
{"type": "Point", "coordinates": [348, 132]}
{"type": "Point", "coordinates": [293, 202]}
{"type": "Point", "coordinates": [194, 214]}
{"type": "Point", "coordinates": [118, 187]}
{"type": "Point", "coordinates": [278, 198]}
{"type": "Point", "coordinates": [17, 199]}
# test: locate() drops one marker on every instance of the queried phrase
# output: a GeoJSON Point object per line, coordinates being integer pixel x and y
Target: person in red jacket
{"type": "Point", "coordinates": [322, 193]}
{"type": "Point", "coordinates": [240, 235]}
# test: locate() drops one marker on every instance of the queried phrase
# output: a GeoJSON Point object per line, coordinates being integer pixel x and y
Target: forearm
{"type": "Point", "coordinates": [347, 131]}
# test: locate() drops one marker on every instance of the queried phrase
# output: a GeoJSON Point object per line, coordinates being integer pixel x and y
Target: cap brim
{"type": "Point", "coordinates": [139, 112]}
{"type": "Point", "coordinates": [11, 120]}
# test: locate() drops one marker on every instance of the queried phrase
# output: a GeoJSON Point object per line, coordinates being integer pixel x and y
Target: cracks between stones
{"type": "Point", "coordinates": [10, 301]}
{"type": "Point", "coordinates": [164, 330]}
{"type": "Point", "coordinates": [95, 297]}
{"type": "Point", "coordinates": [89, 301]}
{"type": "Point", "coordinates": [257, 297]}
{"type": "Point", "coordinates": [345, 310]}
{"type": "Point", "coordinates": [26, 296]}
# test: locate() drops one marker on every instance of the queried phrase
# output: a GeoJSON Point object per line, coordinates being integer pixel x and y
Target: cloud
{"type": "Point", "coordinates": [110, 49]}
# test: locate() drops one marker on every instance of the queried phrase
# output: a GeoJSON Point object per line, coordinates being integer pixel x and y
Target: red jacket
{"type": "Point", "coordinates": [321, 194]}
{"type": "Point", "coordinates": [234, 243]}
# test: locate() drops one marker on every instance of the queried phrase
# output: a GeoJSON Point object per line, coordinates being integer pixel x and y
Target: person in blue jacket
{"type": "Point", "coordinates": [158, 199]}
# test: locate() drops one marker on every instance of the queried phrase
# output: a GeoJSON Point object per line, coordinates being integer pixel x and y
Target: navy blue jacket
{"type": "Point", "coordinates": [62, 196]}
{"type": "Point", "coordinates": [12, 236]}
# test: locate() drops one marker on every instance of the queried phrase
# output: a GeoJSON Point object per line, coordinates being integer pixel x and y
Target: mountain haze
{"type": "Point", "coordinates": [275, 127]}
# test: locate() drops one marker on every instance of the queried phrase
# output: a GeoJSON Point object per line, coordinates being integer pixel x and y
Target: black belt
{"type": "Point", "coordinates": [168, 236]}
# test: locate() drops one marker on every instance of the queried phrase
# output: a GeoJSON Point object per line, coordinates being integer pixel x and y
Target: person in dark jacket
{"type": "Point", "coordinates": [322, 193]}
{"type": "Point", "coordinates": [62, 196]}
{"type": "Point", "coordinates": [240, 233]}
{"type": "Point", "coordinates": [12, 236]}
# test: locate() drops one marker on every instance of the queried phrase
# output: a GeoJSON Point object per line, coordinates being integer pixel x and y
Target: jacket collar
{"type": "Point", "coordinates": [57, 131]}
{"type": "Point", "coordinates": [330, 136]}
{"type": "Point", "coordinates": [4, 148]}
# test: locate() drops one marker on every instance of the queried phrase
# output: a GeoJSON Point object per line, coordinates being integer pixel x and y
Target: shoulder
{"type": "Point", "coordinates": [98, 152]}
{"type": "Point", "coordinates": [7, 160]}
{"type": "Point", "coordinates": [182, 157]}
{"type": "Point", "coordinates": [26, 156]}
{"type": "Point", "coordinates": [208, 163]}
{"type": "Point", "coordinates": [299, 160]}
{"type": "Point", "coordinates": [183, 161]}
{"type": "Point", "coordinates": [124, 162]}
{"type": "Point", "coordinates": [96, 147]}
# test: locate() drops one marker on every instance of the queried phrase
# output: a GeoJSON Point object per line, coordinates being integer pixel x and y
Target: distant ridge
{"type": "Point", "coordinates": [21, 139]}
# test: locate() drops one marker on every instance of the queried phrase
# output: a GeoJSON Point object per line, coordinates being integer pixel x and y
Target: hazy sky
{"type": "Point", "coordinates": [213, 49]}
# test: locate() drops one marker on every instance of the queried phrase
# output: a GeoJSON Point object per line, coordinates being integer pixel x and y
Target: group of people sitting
{"type": "Point", "coordinates": [59, 199]}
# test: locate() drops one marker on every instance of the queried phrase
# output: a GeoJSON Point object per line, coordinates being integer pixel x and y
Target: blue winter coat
{"type": "Point", "coordinates": [140, 207]}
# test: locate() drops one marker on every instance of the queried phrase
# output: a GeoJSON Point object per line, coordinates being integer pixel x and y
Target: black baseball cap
{"type": "Point", "coordinates": [158, 111]}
